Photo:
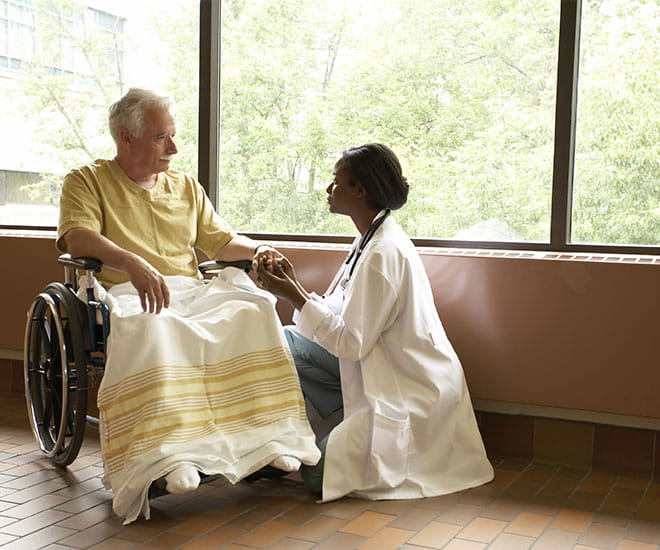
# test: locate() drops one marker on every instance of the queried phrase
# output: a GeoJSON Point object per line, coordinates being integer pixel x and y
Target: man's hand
{"type": "Point", "coordinates": [279, 278]}
{"type": "Point", "coordinates": [151, 286]}
{"type": "Point", "coordinates": [266, 256]}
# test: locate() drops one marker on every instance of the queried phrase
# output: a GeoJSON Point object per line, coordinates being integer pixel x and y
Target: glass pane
{"type": "Point", "coordinates": [464, 92]}
{"type": "Point", "coordinates": [616, 198]}
{"type": "Point", "coordinates": [66, 62]}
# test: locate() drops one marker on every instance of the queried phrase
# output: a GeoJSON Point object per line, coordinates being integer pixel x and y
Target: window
{"type": "Point", "coordinates": [61, 65]}
{"type": "Point", "coordinates": [17, 23]}
{"type": "Point", "coordinates": [480, 108]}
{"type": "Point", "coordinates": [462, 93]}
{"type": "Point", "coordinates": [617, 165]}
{"type": "Point", "coordinates": [503, 144]}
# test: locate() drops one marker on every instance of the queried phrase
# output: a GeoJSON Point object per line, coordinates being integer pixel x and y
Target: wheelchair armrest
{"type": "Point", "coordinates": [85, 264]}
{"type": "Point", "coordinates": [213, 266]}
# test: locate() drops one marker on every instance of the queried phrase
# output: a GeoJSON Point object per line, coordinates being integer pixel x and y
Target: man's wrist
{"type": "Point", "coordinates": [256, 248]}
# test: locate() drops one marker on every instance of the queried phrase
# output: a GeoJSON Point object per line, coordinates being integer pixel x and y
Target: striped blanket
{"type": "Point", "coordinates": [208, 382]}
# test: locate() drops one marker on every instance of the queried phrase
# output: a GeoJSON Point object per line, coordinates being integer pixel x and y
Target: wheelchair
{"type": "Point", "coordinates": [64, 357]}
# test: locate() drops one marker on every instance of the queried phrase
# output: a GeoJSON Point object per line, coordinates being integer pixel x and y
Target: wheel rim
{"type": "Point", "coordinates": [46, 375]}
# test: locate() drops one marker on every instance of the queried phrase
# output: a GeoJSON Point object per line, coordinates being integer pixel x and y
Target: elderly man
{"type": "Point", "coordinates": [138, 217]}
{"type": "Point", "coordinates": [198, 377]}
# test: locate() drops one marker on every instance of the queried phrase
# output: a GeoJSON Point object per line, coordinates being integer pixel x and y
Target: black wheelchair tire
{"type": "Point", "coordinates": [55, 371]}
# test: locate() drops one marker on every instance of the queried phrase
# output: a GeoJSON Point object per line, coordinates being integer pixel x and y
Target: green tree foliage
{"type": "Point", "coordinates": [464, 92]}
{"type": "Point", "coordinates": [463, 97]}
{"type": "Point", "coordinates": [70, 106]}
{"type": "Point", "coordinates": [78, 71]}
{"type": "Point", "coordinates": [617, 179]}
{"type": "Point", "coordinates": [178, 54]}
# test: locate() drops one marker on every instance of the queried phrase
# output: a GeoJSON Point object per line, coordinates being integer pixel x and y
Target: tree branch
{"type": "Point", "coordinates": [71, 122]}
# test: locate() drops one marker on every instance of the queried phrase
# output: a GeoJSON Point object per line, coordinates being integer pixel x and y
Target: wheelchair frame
{"type": "Point", "coordinates": [64, 356]}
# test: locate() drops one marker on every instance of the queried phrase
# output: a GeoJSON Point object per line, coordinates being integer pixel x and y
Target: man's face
{"type": "Point", "coordinates": [156, 147]}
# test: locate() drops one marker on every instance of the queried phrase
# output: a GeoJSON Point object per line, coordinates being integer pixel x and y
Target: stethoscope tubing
{"type": "Point", "coordinates": [356, 252]}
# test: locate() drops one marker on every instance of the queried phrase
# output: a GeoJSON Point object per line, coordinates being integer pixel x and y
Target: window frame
{"type": "Point", "coordinates": [563, 158]}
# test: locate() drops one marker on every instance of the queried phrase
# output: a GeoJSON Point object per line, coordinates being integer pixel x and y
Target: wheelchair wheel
{"type": "Point", "coordinates": [55, 372]}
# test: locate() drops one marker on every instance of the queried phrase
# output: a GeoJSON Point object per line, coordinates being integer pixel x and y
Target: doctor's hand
{"type": "Point", "coordinates": [280, 279]}
{"type": "Point", "coordinates": [150, 284]}
{"type": "Point", "coordinates": [266, 254]}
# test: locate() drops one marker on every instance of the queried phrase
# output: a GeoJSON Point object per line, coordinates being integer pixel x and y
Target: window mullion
{"type": "Point", "coordinates": [209, 95]}
{"type": "Point", "coordinates": [565, 117]}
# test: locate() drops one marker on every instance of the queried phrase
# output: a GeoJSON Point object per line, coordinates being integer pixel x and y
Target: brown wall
{"type": "Point", "coordinates": [560, 333]}
{"type": "Point", "coordinates": [27, 265]}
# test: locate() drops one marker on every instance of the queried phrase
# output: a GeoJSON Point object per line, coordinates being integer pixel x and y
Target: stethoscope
{"type": "Point", "coordinates": [355, 254]}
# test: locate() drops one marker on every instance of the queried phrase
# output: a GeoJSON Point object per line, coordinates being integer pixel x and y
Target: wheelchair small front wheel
{"type": "Point", "coordinates": [55, 370]}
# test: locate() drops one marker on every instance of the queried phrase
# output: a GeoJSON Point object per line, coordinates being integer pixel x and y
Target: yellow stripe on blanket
{"type": "Point", "coordinates": [176, 404]}
{"type": "Point", "coordinates": [229, 367]}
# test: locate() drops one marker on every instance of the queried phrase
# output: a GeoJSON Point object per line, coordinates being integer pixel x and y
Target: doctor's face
{"type": "Point", "coordinates": [341, 194]}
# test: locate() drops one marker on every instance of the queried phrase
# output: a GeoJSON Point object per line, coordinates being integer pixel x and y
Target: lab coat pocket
{"type": "Point", "coordinates": [387, 464]}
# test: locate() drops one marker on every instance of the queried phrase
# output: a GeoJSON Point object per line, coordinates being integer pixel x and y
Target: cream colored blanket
{"type": "Point", "coordinates": [208, 382]}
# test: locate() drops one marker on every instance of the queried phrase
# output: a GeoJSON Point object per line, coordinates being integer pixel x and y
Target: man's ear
{"type": "Point", "coordinates": [125, 136]}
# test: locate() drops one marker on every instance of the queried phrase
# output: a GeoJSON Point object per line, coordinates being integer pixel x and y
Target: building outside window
{"type": "Point", "coordinates": [62, 63]}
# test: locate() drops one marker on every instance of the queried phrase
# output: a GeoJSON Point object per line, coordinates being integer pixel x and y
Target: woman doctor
{"type": "Point", "coordinates": [374, 344]}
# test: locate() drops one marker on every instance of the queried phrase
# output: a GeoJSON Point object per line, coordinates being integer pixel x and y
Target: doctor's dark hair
{"type": "Point", "coordinates": [377, 169]}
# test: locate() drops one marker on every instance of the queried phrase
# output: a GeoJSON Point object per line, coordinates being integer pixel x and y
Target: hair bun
{"type": "Point", "coordinates": [377, 168]}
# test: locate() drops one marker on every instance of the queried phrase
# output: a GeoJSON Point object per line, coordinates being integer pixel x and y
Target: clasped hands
{"type": "Point", "coordinates": [277, 276]}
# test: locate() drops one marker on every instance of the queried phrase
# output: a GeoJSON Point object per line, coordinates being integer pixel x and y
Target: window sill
{"type": "Point", "coordinates": [543, 255]}
{"type": "Point", "coordinates": [493, 253]}
{"type": "Point", "coordinates": [602, 257]}
{"type": "Point", "coordinates": [28, 233]}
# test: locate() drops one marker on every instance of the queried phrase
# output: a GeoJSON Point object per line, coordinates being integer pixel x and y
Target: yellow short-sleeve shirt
{"type": "Point", "coordinates": [163, 224]}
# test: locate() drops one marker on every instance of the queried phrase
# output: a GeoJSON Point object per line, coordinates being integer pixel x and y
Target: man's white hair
{"type": "Point", "coordinates": [128, 112]}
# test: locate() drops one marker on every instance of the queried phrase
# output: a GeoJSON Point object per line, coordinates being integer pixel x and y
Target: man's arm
{"type": "Point", "coordinates": [244, 248]}
{"type": "Point", "coordinates": [151, 286]}
{"type": "Point", "coordinates": [239, 248]}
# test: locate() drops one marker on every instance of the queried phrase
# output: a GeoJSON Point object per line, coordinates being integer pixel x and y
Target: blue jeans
{"type": "Point", "coordinates": [318, 371]}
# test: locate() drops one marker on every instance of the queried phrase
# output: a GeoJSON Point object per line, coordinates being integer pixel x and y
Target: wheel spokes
{"type": "Point", "coordinates": [54, 365]}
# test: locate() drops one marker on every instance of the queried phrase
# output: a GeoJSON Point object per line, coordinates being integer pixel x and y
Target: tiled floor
{"type": "Point", "coordinates": [526, 506]}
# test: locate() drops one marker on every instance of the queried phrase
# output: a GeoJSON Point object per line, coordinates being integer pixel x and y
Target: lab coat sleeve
{"type": "Point", "coordinates": [370, 306]}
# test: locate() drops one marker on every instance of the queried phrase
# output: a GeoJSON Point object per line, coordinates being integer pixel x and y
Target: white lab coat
{"type": "Point", "coordinates": [409, 430]}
